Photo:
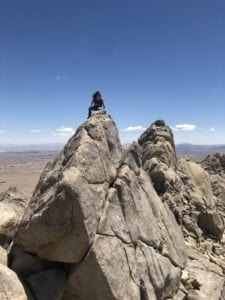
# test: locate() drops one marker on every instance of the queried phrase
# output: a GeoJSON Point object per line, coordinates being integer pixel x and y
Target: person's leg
{"type": "Point", "coordinates": [94, 107]}
{"type": "Point", "coordinates": [89, 111]}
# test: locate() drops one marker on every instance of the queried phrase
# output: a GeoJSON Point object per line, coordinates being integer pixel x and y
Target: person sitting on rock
{"type": "Point", "coordinates": [97, 103]}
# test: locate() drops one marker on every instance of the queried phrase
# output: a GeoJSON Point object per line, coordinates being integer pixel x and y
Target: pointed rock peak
{"type": "Point", "coordinates": [156, 132]}
{"type": "Point", "coordinates": [66, 205]}
{"type": "Point", "coordinates": [98, 128]}
{"type": "Point", "coordinates": [158, 142]}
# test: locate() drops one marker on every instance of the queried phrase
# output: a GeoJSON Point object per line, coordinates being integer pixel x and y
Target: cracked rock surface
{"type": "Point", "coordinates": [104, 223]}
{"type": "Point", "coordinates": [10, 286]}
{"type": "Point", "coordinates": [12, 205]}
{"type": "Point", "coordinates": [97, 217]}
{"type": "Point", "coordinates": [195, 193]}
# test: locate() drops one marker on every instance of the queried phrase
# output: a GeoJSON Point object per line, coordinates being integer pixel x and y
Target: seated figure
{"type": "Point", "coordinates": [97, 103]}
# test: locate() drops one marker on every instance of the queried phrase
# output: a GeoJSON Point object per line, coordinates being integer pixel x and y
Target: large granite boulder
{"type": "Point", "coordinates": [138, 245]}
{"type": "Point", "coordinates": [96, 212]}
{"type": "Point", "coordinates": [62, 217]}
{"type": "Point", "coordinates": [12, 205]}
{"type": "Point", "coordinates": [215, 166]}
{"type": "Point", "coordinates": [204, 279]}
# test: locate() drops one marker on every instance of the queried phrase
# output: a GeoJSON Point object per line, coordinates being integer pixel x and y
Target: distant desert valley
{"type": "Point", "coordinates": [21, 167]}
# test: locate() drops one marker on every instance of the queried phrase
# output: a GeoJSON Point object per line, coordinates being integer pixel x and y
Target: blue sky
{"type": "Point", "coordinates": [161, 59]}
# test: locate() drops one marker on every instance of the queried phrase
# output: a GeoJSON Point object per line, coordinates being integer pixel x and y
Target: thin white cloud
{"type": "Point", "coordinates": [59, 77]}
{"type": "Point", "coordinates": [186, 127]}
{"type": "Point", "coordinates": [2, 131]}
{"type": "Point", "coordinates": [36, 130]}
{"type": "Point", "coordinates": [135, 128]}
{"type": "Point", "coordinates": [212, 129]}
{"type": "Point", "coordinates": [63, 132]}
{"type": "Point", "coordinates": [65, 129]}
{"type": "Point", "coordinates": [174, 128]}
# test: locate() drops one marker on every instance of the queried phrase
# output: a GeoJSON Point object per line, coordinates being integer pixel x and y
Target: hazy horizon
{"type": "Point", "coordinates": [62, 144]}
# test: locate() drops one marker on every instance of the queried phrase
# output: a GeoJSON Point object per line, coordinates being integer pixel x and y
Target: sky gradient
{"type": "Point", "coordinates": [161, 59]}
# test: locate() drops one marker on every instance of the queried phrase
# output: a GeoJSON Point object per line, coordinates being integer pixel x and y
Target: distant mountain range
{"type": "Point", "coordinates": [198, 152]}
{"type": "Point", "coordinates": [31, 148]}
{"type": "Point", "coordinates": [194, 152]}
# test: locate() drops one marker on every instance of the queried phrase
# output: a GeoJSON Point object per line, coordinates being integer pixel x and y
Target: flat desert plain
{"type": "Point", "coordinates": [22, 169]}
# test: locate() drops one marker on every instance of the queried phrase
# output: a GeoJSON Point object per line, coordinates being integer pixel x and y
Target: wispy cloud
{"type": "Point", "coordinates": [174, 128]}
{"type": "Point", "coordinates": [60, 77]}
{"type": "Point", "coordinates": [185, 127]}
{"type": "Point", "coordinates": [212, 129]}
{"type": "Point", "coordinates": [36, 130]}
{"type": "Point", "coordinates": [135, 128]}
{"type": "Point", "coordinates": [2, 131]}
{"type": "Point", "coordinates": [63, 132]}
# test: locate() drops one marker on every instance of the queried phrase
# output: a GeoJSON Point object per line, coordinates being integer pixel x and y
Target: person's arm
{"type": "Point", "coordinates": [103, 104]}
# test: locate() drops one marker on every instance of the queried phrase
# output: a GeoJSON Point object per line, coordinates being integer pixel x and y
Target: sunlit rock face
{"type": "Point", "coordinates": [97, 215]}
{"type": "Point", "coordinates": [12, 206]}
{"type": "Point", "coordinates": [195, 193]}
{"type": "Point", "coordinates": [135, 224]}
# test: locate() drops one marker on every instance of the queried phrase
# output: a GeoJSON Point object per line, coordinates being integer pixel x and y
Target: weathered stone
{"type": "Point", "coordinates": [12, 205]}
{"type": "Point", "coordinates": [210, 278]}
{"type": "Point", "coordinates": [3, 256]}
{"type": "Point", "coordinates": [10, 286]}
{"type": "Point", "coordinates": [136, 236]}
{"type": "Point", "coordinates": [179, 296]}
{"type": "Point", "coordinates": [95, 208]}
{"type": "Point", "coordinates": [211, 223]}
{"type": "Point", "coordinates": [157, 141]}
{"type": "Point", "coordinates": [62, 217]}
{"type": "Point", "coordinates": [195, 197]}
{"type": "Point", "coordinates": [106, 219]}
{"type": "Point", "coordinates": [26, 264]}
{"type": "Point", "coordinates": [128, 267]}
{"type": "Point", "coordinates": [135, 227]}
{"type": "Point", "coordinates": [218, 249]}
{"type": "Point", "coordinates": [223, 294]}
{"type": "Point", "coordinates": [47, 284]}
{"type": "Point", "coordinates": [200, 181]}
{"type": "Point", "coordinates": [215, 166]}
{"type": "Point", "coordinates": [195, 295]}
